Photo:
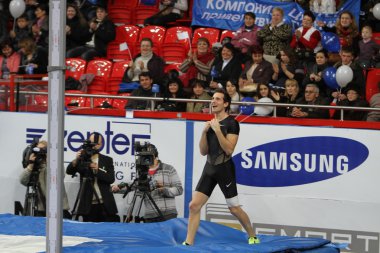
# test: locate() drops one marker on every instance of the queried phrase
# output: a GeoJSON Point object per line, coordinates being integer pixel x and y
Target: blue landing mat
{"type": "Point", "coordinates": [17, 232]}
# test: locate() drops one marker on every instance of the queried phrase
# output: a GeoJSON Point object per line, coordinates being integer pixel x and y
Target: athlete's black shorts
{"type": "Point", "coordinates": [222, 174]}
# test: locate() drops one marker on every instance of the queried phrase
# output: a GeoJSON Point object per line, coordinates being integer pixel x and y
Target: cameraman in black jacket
{"type": "Point", "coordinates": [95, 201]}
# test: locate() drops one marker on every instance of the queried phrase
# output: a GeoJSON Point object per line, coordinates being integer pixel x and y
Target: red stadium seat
{"type": "Point", "coordinates": [226, 33]}
{"type": "Point", "coordinates": [75, 100]}
{"type": "Point", "coordinates": [120, 103]}
{"type": "Point", "coordinates": [118, 52]}
{"type": "Point", "coordinates": [212, 34]}
{"type": "Point", "coordinates": [175, 49]}
{"type": "Point", "coordinates": [99, 102]}
{"type": "Point", "coordinates": [120, 15]}
{"type": "Point", "coordinates": [117, 73]}
{"type": "Point", "coordinates": [120, 11]}
{"type": "Point", "coordinates": [122, 3]}
{"type": "Point", "coordinates": [75, 67]}
{"type": "Point", "coordinates": [101, 68]}
{"type": "Point", "coordinates": [372, 84]}
{"type": "Point", "coordinates": [156, 34]}
{"type": "Point", "coordinates": [128, 34]}
{"type": "Point", "coordinates": [142, 12]}
{"type": "Point", "coordinates": [376, 37]}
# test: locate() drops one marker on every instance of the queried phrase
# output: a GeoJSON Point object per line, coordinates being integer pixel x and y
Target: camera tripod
{"type": "Point", "coordinates": [133, 214]}
{"type": "Point", "coordinates": [85, 182]}
{"type": "Point", "coordinates": [31, 196]}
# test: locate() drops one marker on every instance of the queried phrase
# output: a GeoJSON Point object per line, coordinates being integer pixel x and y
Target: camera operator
{"type": "Point", "coordinates": [95, 201]}
{"type": "Point", "coordinates": [34, 174]}
{"type": "Point", "coordinates": [164, 186]}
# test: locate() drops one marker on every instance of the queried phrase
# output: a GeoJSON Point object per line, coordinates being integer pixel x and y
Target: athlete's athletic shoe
{"type": "Point", "coordinates": [186, 244]}
{"type": "Point", "coordinates": [253, 240]}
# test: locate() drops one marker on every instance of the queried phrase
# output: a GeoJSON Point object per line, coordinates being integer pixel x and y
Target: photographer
{"type": "Point", "coordinates": [95, 201]}
{"type": "Point", "coordinates": [34, 177]}
{"type": "Point", "coordinates": [164, 186]}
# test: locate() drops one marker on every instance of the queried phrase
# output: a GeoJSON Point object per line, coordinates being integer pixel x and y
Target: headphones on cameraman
{"type": "Point", "coordinates": [153, 149]}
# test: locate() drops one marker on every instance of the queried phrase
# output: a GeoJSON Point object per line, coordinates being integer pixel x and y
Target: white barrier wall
{"type": "Point", "coordinates": [296, 181]}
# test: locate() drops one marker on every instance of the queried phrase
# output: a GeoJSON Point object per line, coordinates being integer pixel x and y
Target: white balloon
{"type": "Point", "coordinates": [17, 8]}
{"type": "Point", "coordinates": [344, 75]}
{"type": "Point", "coordinates": [261, 110]}
{"type": "Point", "coordinates": [376, 11]}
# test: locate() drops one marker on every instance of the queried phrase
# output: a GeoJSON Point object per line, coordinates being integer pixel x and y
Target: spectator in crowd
{"type": "Point", "coordinates": [369, 50]}
{"type": "Point", "coordinates": [306, 40]}
{"type": "Point", "coordinates": [144, 90]}
{"type": "Point", "coordinates": [169, 11]}
{"type": "Point", "coordinates": [198, 64]}
{"type": "Point", "coordinates": [101, 32]}
{"type": "Point", "coordinates": [323, 6]}
{"type": "Point", "coordinates": [95, 201]}
{"type": "Point", "coordinates": [314, 73]}
{"type": "Point", "coordinates": [34, 60]}
{"type": "Point", "coordinates": [166, 186]}
{"type": "Point", "coordinates": [145, 61]}
{"type": "Point", "coordinates": [40, 26]}
{"type": "Point", "coordinates": [9, 59]}
{"type": "Point", "coordinates": [358, 80]}
{"type": "Point", "coordinates": [89, 8]}
{"type": "Point", "coordinates": [264, 91]}
{"type": "Point", "coordinates": [22, 30]}
{"type": "Point", "coordinates": [347, 31]}
{"type": "Point", "coordinates": [246, 36]}
{"type": "Point", "coordinates": [292, 94]}
{"type": "Point", "coordinates": [9, 63]}
{"type": "Point", "coordinates": [286, 68]}
{"type": "Point", "coordinates": [311, 98]}
{"type": "Point", "coordinates": [76, 27]}
{"type": "Point", "coordinates": [352, 99]}
{"type": "Point", "coordinates": [198, 88]}
{"type": "Point", "coordinates": [257, 70]}
{"type": "Point", "coordinates": [35, 173]}
{"type": "Point", "coordinates": [30, 9]}
{"type": "Point", "coordinates": [232, 89]}
{"type": "Point", "coordinates": [374, 102]}
{"type": "Point", "coordinates": [174, 89]}
{"type": "Point", "coordinates": [225, 67]}
{"type": "Point", "coordinates": [366, 15]}
{"type": "Point", "coordinates": [275, 35]}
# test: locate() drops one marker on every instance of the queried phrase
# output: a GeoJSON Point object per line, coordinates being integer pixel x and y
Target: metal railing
{"type": "Point", "coordinates": [185, 100]}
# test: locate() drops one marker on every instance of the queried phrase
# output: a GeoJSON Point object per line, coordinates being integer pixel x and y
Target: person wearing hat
{"type": "Point", "coordinates": [306, 40]}
{"type": "Point", "coordinates": [246, 36]}
{"type": "Point", "coordinates": [353, 99]}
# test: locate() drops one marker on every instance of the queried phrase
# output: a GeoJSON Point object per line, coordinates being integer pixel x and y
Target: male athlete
{"type": "Point", "coordinates": [218, 141]}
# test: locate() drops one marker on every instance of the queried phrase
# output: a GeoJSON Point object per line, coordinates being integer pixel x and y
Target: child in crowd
{"type": "Point", "coordinates": [369, 50]}
{"type": "Point", "coordinates": [22, 30]}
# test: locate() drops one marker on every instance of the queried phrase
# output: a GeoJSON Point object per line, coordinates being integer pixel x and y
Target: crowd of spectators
{"type": "Point", "coordinates": [271, 62]}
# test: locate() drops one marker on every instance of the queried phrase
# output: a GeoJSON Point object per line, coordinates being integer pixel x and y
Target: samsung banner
{"type": "Point", "coordinates": [295, 181]}
{"type": "Point", "coordinates": [229, 14]}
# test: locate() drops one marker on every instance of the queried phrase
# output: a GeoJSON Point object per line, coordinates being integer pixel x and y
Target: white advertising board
{"type": "Point", "coordinates": [296, 181]}
{"type": "Point", "coordinates": [310, 180]}
{"type": "Point", "coordinates": [119, 135]}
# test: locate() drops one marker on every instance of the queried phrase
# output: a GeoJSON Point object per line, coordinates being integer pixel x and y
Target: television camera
{"type": "Point", "coordinates": [145, 154]}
